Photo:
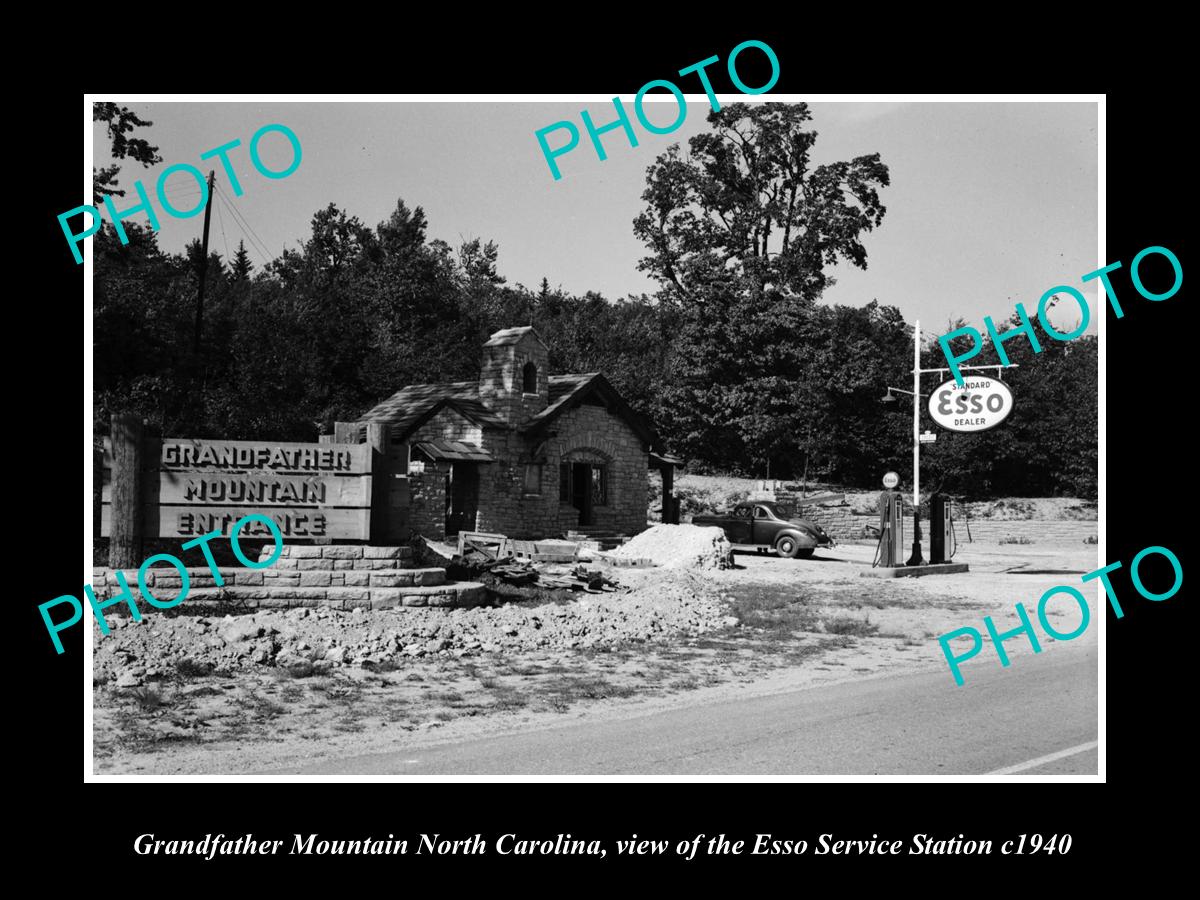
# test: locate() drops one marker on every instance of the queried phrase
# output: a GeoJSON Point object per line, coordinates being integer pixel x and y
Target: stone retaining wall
{"type": "Point", "coordinates": [335, 576]}
{"type": "Point", "coordinates": [1037, 531]}
{"type": "Point", "coordinates": [835, 516]}
{"type": "Point", "coordinates": [838, 521]}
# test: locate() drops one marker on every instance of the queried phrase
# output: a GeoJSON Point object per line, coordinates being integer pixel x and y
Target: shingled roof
{"type": "Point", "coordinates": [411, 407]}
{"type": "Point", "coordinates": [414, 405]}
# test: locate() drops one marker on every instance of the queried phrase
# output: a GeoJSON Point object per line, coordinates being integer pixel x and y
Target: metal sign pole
{"type": "Point", "coordinates": [915, 559]}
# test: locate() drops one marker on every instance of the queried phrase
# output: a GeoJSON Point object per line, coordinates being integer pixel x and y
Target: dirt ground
{"type": "Point", "coordinates": [787, 624]}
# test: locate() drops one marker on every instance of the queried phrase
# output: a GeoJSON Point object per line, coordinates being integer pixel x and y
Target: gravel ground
{"type": "Point", "coordinates": [289, 687]}
{"type": "Point", "coordinates": [661, 605]}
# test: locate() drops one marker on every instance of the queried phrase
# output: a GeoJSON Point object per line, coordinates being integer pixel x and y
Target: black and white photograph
{"type": "Point", "coordinates": [677, 435]}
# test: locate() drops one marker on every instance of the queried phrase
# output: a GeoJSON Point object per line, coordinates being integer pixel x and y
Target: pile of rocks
{"type": "Point", "coordinates": [681, 546]}
{"type": "Point", "coordinates": [315, 641]}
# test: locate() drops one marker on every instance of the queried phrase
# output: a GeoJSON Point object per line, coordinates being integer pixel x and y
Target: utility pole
{"type": "Point", "coordinates": [203, 269]}
{"type": "Point", "coordinates": [915, 559]}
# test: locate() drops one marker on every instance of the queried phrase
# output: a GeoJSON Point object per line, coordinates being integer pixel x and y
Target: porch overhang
{"type": "Point", "coordinates": [665, 461]}
{"type": "Point", "coordinates": [453, 450]}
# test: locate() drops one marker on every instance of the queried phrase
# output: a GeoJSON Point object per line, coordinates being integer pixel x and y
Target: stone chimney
{"type": "Point", "coordinates": [513, 381]}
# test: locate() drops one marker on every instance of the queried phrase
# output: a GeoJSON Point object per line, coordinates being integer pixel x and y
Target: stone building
{"type": "Point", "coordinates": [520, 451]}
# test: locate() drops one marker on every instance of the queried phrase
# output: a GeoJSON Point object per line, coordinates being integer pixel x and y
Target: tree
{"type": "Point", "coordinates": [241, 266]}
{"type": "Point", "coordinates": [120, 121]}
{"type": "Point", "coordinates": [745, 207]}
{"type": "Point", "coordinates": [740, 232]}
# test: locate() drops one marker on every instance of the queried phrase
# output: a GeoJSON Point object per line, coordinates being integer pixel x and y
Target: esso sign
{"type": "Point", "coordinates": [890, 480]}
{"type": "Point", "coordinates": [980, 404]}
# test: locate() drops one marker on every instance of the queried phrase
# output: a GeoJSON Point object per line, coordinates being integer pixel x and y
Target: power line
{"type": "Point", "coordinates": [253, 245]}
{"type": "Point", "coordinates": [246, 230]}
{"type": "Point", "coordinates": [221, 223]}
{"type": "Point", "coordinates": [239, 214]}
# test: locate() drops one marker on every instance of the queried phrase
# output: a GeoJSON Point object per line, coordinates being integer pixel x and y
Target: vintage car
{"type": "Point", "coordinates": [764, 523]}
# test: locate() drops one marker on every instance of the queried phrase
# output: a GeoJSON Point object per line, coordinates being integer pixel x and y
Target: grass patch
{"type": "Point", "coordinates": [265, 707]}
{"type": "Point", "coordinates": [188, 668]}
{"type": "Point", "coordinates": [510, 701]}
{"type": "Point", "coordinates": [1015, 539]}
{"type": "Point", "coordinates": [589, 687]}
{"type": "Point", "coordinates": [773, 611]}
{"type": "Point", "coordinates": [147, 699]}
{"type": "Point", "coordinates": [292, 693]}
{"type": "Point", "coordinates": [525, 669]}
{"type": "Point", "coordinates": [850, 625]}
{"type": "Point", "coordinates": [387, 664]}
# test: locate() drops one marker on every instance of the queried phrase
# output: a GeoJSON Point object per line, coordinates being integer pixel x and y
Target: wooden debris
{"type": "Point", "coordinates": [498, 560]}
{"type": "Point", "coordinates": [494, 546]}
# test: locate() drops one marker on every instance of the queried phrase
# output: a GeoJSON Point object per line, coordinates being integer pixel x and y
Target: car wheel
{"type": "Point", "coordinates": [787, 547]}
{"type": "Point", "coordinates": [805, 554]}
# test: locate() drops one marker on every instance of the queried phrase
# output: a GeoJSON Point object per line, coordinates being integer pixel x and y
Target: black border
{"type": "Point", "coordinates": [1147, 501]}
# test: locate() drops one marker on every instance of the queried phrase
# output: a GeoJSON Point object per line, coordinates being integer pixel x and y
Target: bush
{"type": "Point", "coordinates": [190, 668]}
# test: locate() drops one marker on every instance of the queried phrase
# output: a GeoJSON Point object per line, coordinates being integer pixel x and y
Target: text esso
{"type": "Point", "coordinates": [979, 404]}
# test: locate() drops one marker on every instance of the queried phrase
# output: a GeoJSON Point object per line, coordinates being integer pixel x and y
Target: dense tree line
{"type": "Point", "coordinates": [735, 358]}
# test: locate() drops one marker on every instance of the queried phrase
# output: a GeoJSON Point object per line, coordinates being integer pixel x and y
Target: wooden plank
{"type": "Point", "coordinates": [377, 440]}
{"type": "Point", "coordinates": [254, 489]}
{"type": "Point", "coordinates": [302, 524]}
{"type": "Point", "coordinates": [484, 536]}
{"type": "Point", "coordinates": [482, 546]}
{"type": "Point", "coordinates": [277, 457]}
{"type": "Point", "coordinates": [125, 525]}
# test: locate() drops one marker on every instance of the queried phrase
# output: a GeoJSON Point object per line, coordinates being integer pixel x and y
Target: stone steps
{"type": "Point", "coordinates": [456, 594]}
{"type": "Point", "coordinates": [340, 557]}
{"type": "Point", "coordinates": [354, 578]}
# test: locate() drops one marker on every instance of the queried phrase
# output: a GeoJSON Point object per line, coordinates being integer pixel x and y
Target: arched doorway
{"type": "Point", "coordinates": [584, 481]}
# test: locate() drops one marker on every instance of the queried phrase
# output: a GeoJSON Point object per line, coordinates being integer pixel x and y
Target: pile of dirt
{"type": "Point", "coordinates": [681, 546]}
{"type": "Point", "coordinates": [315, 641]}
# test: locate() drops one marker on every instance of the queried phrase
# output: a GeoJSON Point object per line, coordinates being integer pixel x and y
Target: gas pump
{"type": "Point", "coordinates": [890, 552]}
{"type": "Point", "coordinates": [941, 528]}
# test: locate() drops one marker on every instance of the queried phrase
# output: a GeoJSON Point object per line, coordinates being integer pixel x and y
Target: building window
{"type": "Point", "coordinates": [533, 478]}
{"type": "Point", "coordinates": [529, 378]}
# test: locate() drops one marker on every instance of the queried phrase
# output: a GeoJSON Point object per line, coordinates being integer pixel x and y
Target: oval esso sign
{"type": "Point", "coordinates": [980, 404]}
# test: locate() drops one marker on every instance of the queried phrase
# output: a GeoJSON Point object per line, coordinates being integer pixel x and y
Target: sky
{"type": "Point", "coordinates": [989, 203]}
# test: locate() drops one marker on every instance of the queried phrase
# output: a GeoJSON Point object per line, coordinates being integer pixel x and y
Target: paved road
{"type": "Point", "coordinates": [1037, 717]}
